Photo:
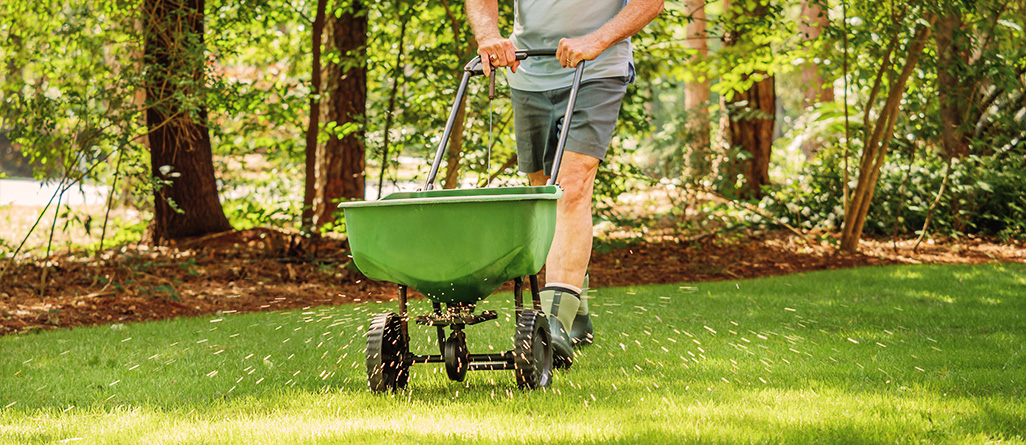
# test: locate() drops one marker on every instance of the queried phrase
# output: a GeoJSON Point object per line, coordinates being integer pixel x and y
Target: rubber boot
{"type": "Point", "coordinates": [560, 304]}
{"type": "Point", "coordinates": [582, 332]}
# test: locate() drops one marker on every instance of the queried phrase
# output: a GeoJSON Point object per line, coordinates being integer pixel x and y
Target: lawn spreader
{"type": "Point", "coordinates": [457, 247]}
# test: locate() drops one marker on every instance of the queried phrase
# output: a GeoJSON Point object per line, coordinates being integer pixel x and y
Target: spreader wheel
{"type": "Point", "coordinates": [457, 357]}
{"type": "Point", "coordinates": [532, 350]}
{"type": "Point", "coordinates": [387, 368]}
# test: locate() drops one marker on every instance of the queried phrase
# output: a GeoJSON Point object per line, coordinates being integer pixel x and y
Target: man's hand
{"type": "Point", "coordinates": [496, 52]}
{"type": "Point", "coordinates": [627, 22]}
{"type": "Point", "coordinates": [573, 51]}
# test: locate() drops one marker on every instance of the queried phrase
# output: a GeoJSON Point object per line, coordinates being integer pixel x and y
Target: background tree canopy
{"type": "Point", "coordinates": [877, 117]}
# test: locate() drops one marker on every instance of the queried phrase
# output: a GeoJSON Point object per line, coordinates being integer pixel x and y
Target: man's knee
{"type": "Point", "coordinates": [577, 179]}
{"type": "Point", "coordinates": [577, 173]}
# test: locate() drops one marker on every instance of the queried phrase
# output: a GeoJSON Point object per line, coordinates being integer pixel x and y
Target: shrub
{"type": "Point", "coordinates": [984, 195]}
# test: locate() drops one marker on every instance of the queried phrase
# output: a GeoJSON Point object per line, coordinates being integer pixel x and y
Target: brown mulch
{"type": "Point", "coordinates": [261, 269]}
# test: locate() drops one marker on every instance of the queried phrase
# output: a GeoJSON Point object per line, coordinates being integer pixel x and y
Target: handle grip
{"type": "Point", "coordinates": [475, 67]}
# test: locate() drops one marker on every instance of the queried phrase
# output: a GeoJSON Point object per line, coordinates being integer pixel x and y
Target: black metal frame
{"type": "Point", "coordinates": [474, 68]}
{"type": "Point", "coordinates": [458, 317]}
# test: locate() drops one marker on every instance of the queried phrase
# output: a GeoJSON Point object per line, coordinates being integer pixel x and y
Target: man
{"type": "Point", "coordinates": [597, 31]}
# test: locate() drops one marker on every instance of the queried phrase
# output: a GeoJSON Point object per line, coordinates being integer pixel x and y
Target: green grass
{"type": "Point", "coordinates": [872, 355]}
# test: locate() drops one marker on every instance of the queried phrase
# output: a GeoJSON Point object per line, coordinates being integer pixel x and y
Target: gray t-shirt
{"type": "Point", "coordinates": [539, 24]}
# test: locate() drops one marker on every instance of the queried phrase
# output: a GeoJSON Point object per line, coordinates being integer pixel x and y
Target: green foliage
{"type": "Point", "coordinates": [69, 74]}
{"type": "Point", "coordinates": [985, 195]}
{"type": "Point", "coordinates": [67, 84]}
{"type": "Point", "coordinates": [248, 213]}
{"type": "Point", "coordinates": [991, 194]}
{"type": "Point", "coordinates": [262, 50]}
{"type": "Point", "coordinates": [264, 202]}
{"type": "Point", "coordinates": [122, 231]}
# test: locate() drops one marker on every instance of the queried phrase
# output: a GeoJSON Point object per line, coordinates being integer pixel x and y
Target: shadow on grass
{"type": "Point", "coordinates": [857, 356]}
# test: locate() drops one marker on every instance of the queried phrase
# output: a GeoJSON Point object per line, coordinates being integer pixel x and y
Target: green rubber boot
{"type": "Point", "coordinates": [560, 305]}
{"type": "Point", "coordinates": [582, 332]}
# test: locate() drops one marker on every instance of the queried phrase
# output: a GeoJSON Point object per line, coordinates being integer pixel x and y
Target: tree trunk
{"type": "Point", "coordinates": [398, 77]}
{"type": "Point", "coordinates": [187, 203]}
{"type": "Point", "coordinates": [954, 100]}
{"type": "Point", "coordinates": [813, 20]}
{"type": "Point", "coordinates": [879, 138]}
{"type": "Point", "coordinates": [955, 97]}
{"type": "Point", "coordinates": [340, 161]}
{"type": "Point", "coordinates": [313, 126]}
{"type": "Point", "coordinates": [751, 128]}
{"type": "Point", "coordinates": [454, 151]}
{"type": "Point", "coordinates": [696, 95]}
{"type": "Point", "coordinates": [752, 112]}
{"type": "Point", "coordinates": [811, 25]}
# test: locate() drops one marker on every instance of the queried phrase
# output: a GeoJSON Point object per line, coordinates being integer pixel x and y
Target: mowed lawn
{"type": "Point", "coordinates": [889, 354]}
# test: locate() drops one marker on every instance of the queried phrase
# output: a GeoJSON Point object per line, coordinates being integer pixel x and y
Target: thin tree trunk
{"type": "Point", "coordinates": [811, 25]}
{"type": "Point", "coordinates": [955, 97]}
{"type": "Point", "coordinates": [814, 19]}
{"type": "Point", "coordinates": [933, 206]}
{"type": "Point", "coordinates": [875, 149]}
{"type": "Point", "coordinates": [455, 149]}
{"type": "Point", "coordinates": [752, 114]}
{"type": "Point", "coordinates": [341, 166]}
{"type": "Point", "coordinates": [696, 95]}
{"type": "Point", "coordinates": [954, 100]}
{"type": "Point", "coordinates": [397, 76]}
{"type": "Point", "coordinates": [187, 204]}
{"type": "Point", "coordinates": [452, 167]}
{"type": "Point", "coordinates": [751, 128]}
{"type": "Point", "coordinates": [313, 127]}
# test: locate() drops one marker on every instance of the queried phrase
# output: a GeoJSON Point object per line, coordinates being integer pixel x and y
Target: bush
{"type": "Point", "coordinates": [985, 196]}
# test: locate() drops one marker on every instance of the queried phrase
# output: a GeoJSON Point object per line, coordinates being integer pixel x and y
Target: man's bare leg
{"type": "Point", "coordinates": [568, 259]}
{"type": "Point", "coordinates": [571, 246]}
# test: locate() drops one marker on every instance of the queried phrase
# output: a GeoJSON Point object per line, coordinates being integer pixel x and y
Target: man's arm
{"type": "Point", "coordinates": [494, 49]}
{"type": "Point", "coordinates": [627, 22]}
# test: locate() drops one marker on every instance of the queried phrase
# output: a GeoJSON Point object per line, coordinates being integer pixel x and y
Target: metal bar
{"type": "Point", "coordinates": [536, 52]}
{"type": "Point", "coordinates": [518, 294]}
{"type": "Point", "coordinates": [536, 292]}
{"type": "Point", "coordinates": [460, 92]}
{"type": "Point", "coordinates": [506, 356]}
{"type": "Point", "coordinates": [474, 358]}
{"type": "Point", "coordinates": [437, 307]}
{"type": "Point", "coordinates": [566, 122]}
{"type": "Point", "coordinates": [474, 68]}
{"type": "Point", "coordinates": [402, 300]}
{"type": "Point", "coordinates": [403, 319]}
{"type": "Point", "coordinates": [489, 366]}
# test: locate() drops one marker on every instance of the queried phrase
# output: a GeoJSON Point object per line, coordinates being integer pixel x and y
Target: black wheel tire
{"type": "Point", "coordinates": [457, 357]}
{"type": "Point", "coordinates": [387, 368]}
{"type": "Point", "coordinates": [532, 350]}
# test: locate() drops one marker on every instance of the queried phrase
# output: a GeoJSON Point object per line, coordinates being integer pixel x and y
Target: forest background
{"type": "Point", "coordinates": [191, 118]}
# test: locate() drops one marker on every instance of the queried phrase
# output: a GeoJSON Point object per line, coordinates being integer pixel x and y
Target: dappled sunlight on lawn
{"type": "Point", "coordinates": [843, 356]}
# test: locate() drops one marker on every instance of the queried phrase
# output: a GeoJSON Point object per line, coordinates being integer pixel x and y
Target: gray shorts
{"type": "Point", "coordinates": [538, 119]}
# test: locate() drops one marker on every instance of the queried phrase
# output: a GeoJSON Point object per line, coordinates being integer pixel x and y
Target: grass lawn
{"type": "Point", "coordinates": [891, 354]}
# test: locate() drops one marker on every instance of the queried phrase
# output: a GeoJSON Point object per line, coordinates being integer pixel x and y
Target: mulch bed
{"type": "Point", "coordinates": [262, 269]}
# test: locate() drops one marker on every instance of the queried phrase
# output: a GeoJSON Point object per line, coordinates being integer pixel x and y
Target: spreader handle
{"type": "Point", "coordinates": [474, 68]}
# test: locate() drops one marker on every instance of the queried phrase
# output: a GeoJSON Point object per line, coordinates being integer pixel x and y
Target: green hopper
{"type": "Point", "coordinates": [454, 246]}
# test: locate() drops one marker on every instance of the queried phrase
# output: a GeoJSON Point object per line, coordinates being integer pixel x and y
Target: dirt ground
{"type": "Point", "coordinates": [261, 269]}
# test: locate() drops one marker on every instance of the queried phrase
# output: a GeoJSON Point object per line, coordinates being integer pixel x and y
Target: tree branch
{"type": "Point", "coordinates": [933, 206]}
